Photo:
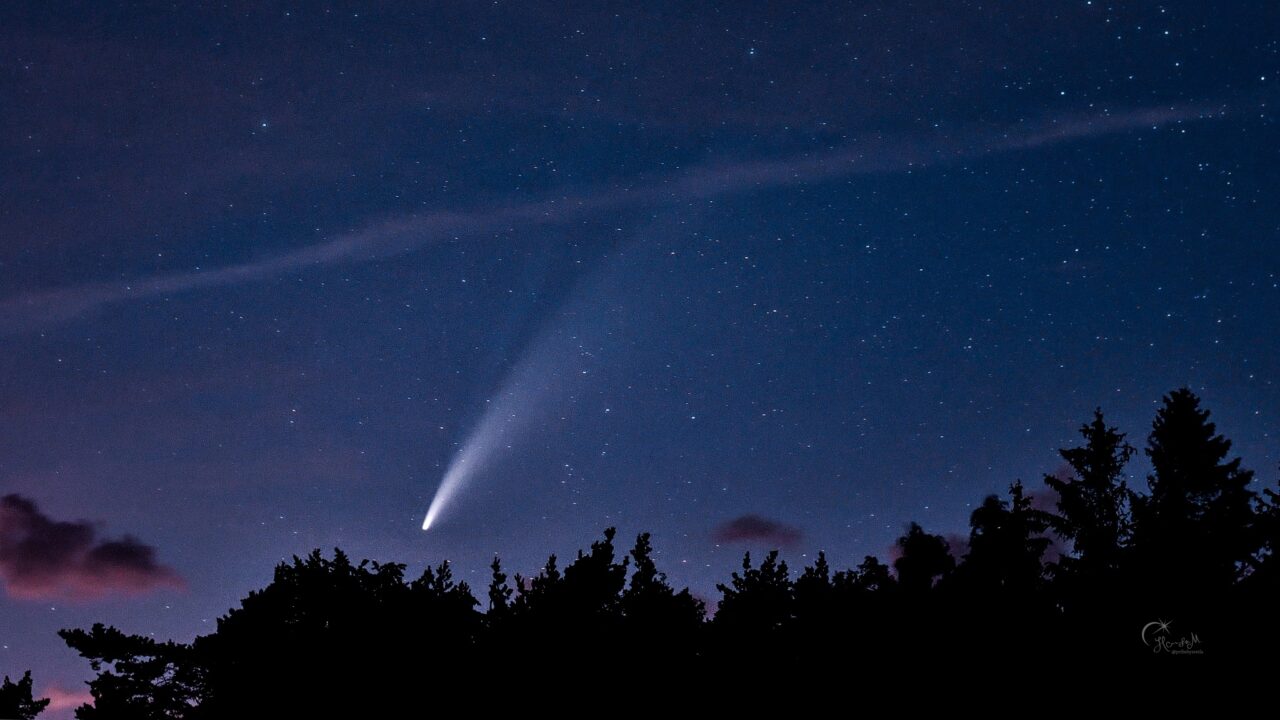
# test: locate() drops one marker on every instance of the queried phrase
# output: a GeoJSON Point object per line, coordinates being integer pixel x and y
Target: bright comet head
{"type": "Point", "coordinates": [448, 487]}
{"type": "Point", "coordinates": [459, 470]}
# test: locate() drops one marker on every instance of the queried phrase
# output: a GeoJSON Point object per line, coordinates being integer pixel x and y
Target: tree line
{"type": "Point", "coordinates": [1093, 571]}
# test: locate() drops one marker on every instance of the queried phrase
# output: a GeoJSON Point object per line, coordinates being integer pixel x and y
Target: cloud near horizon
{"type": "Point", "coordinates": [862, 156]}
{"type": "Point", "coordinates": [754, 528]}
{"type": "Point", "coordinates": [61, 698]}
{"type": "Point", "coordinates": [43, 559]}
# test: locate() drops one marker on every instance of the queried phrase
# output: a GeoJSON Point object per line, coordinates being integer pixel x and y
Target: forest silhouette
{"type": "Point", "coordinates": [1089, 570]}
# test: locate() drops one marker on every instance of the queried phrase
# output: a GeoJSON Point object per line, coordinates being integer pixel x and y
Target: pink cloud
{"type": "Point", "coordinates": [61, 698]}
{"type": "Point", "coordinates": [42, 558]}
{"type": "Point", "coordinates": [957, 545]}
{"type": "Point", "coordinates": [754, 528]}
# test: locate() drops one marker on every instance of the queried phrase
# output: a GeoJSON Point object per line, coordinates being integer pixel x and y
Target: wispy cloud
{"type": "Point", "coordinates": [868, 155]}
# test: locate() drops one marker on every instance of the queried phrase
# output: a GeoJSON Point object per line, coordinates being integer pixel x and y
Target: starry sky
{"type": "Point", "coordinates": [741, 274]}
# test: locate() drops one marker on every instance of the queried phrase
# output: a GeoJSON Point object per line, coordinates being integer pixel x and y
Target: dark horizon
{"type": "Point", "coordinates": [1084, 568]}
{"type": "Point", "coordinates": [277, 277]}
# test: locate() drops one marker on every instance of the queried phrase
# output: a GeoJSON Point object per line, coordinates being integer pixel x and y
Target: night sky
{"type": "Point", "coordinates": [743, 275]}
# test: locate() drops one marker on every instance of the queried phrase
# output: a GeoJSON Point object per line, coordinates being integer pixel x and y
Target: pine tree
{"type": "Point", "coordinates": [593, 582]}
{"type": "Point", "coordinates": [1264, 562]}
{"type": "Point", "coordinates": [646, 579]}
{"type": "Point", "coordinates": [1194, 528]}
{"type": "Point", "coordinates": [16, 700]}
{"type": "Point", "coordinates": [650, 600]}
{"type": "Point", "coordinates": [138, 677]}
{"type": "Point", "coordinates": [1093, 503]}
{"type": "Point", "coordinates": [499, 591]}
{"type": "Point", "coordinates": [659, 620]}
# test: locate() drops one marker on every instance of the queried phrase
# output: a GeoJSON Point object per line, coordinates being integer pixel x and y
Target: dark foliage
{"type": "Point", "coordinates": [1198, 554]}
{"type": "Point", "coordinates": [1093, 503]}
{"type": "Point", "coordinates": [924, 559]}
{"type": "Point", "coordinates": [16, 701]}
{"type": "Point", "coordinates": [137, 676]}
{"type": "Point", "coordinates": [1193, 529]}
{"type": "Point", "coordinates": [1006, 544]}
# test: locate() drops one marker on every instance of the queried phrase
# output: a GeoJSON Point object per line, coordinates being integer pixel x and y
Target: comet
{"type": "Point", "coordinates": [498, 428]}
{"type": "Point", "coordinates": [505, 421]}
{"type": "Point", "coordinates": [564, 356]}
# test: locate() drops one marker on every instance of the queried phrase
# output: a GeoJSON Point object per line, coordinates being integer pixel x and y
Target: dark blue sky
{"type": "Point", "coordinates": [265, 268]}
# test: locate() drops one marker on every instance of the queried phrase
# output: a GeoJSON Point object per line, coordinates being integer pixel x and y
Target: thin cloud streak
{"type": "Point", "coordinates": [877, 154]}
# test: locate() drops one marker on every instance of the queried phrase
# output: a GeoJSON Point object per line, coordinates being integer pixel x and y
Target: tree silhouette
{"type": "Point", "coordinates": [593, 582]}
{"type": "Point", "coordinates": [758, 600]}
{"type": "Point", "coordinates": [323, 625]}
{"type": "Point", "coordinates": [828, 606]}
{"type": "Point", "coordinates": [1093, 502]}
{"type": "Point", "coordinates": [329, 637]}
{"type": "Point", "coordinates": [16, 701]}
{"type": "Point", "coordinates": [533, 593]}
{"type": "Point", "coordinates": [1192, 532]}
{"type": "Point", "coordinates": [813, 591]}
{"type": "Point", "coordinates": [499, 591]}
{"type": "Point", "coordinates": [923, 560]}
{"type": "Point", "coordinates": [650, 604]}
{"type": "Point", "coordinates": [647, 584]}
{"type": "Point", "coordinates": [871, 576]}
{"type": "Point", "coordinates": [575, 614]}
{"type": "Point", "coordinates": [1006, 544]}
{"type": "Point", "coordinates": [435, 596]}
{"type": "Point", "coordinates": [659, 623]}
{"type": "Point", "coordinates": [1262, 576]}
{"type": "Point", "coordinates": [138, 678]}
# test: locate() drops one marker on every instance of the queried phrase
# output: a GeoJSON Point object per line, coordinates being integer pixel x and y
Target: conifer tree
{"type": "Point", "coordinates": [16, 701]}
{"type": "Point", "coordinates": [1093, 512]}
{"type": "Point", "coordinates": [1194, 527]}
